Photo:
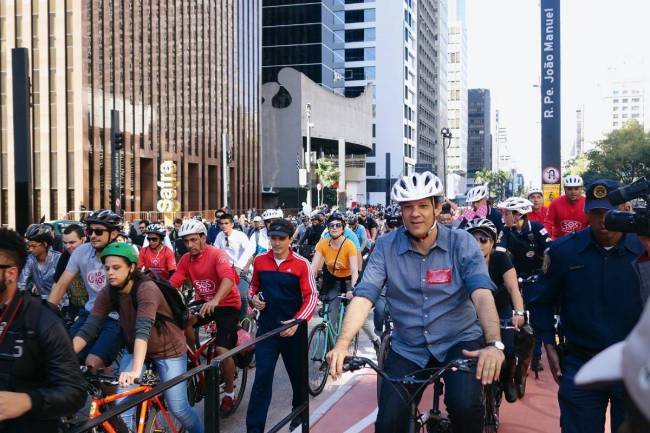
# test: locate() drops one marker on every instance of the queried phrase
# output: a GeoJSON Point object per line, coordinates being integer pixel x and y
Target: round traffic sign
{"type": "Point", "coordinates": [551, 175]}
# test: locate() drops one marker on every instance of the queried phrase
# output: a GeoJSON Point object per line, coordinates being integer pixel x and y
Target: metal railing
{"type": "Point", "coordinates": [212, 371]}
{"type": "Point", "coordinates": [77, 215]}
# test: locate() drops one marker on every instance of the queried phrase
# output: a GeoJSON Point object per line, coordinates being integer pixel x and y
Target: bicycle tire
{"type": "Point", "coordinates": [157, 422]}
{"type": "Point", "coordinates": [318, 368]}
{"type": "Point", "coordinates": [384, 350]}
{"type": "Point", "coordinates": [241, 377]}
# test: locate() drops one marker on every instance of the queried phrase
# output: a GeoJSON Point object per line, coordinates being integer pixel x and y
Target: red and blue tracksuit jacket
{"type": "Point", "coordinates": [289, 289]}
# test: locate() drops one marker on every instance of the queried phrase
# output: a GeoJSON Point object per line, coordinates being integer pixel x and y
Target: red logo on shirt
{"type": "Point", "coordinates": [204, 287]}
{"type": "Point", "coordinates": [439, 276]}
{"type": "Point", "coordinates": [568, 226]}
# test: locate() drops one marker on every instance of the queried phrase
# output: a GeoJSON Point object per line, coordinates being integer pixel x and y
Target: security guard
{"type": "Point", "coordinates": [591, 279]}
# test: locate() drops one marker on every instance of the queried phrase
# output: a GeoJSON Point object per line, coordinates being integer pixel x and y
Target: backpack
{"type": "Point", "coordinates": [172, 296]}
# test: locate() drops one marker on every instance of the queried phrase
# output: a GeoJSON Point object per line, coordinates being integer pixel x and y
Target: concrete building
{"type": "Point", "coordinates": [432, 42]}
{"type": "Point", "coordinates": [479, 137]}
{"type": "Point", "coordinates": [627, 101]}
{"type": "Point", "coordinates": [457, 103]}
{"type": "Point", "coordinates": [382, 49]}
{"type": "Point", "coordinates": [339, 125]}
{"type": "Point", "coordinates": [307, 36]}
{"type": "Point", "coordinates": [579, 140]}
{"type": "Point", "coordinates": [184, 77]}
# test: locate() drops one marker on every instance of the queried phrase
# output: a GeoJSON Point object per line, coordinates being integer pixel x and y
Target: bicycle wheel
{"type": "Point", "coordinates": [241, 377]}
{"type": "Point", "coordinates": [318, 366]}
{"type": "Point", "coordinates": [157, 422]}
{"type": "Point", "coordinates": [384, 349]}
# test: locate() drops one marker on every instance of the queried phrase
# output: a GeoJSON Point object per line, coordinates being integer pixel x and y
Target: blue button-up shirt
{"type": "Point", "coordinates": [596, 290]}
{"type": "Point", "coordinates": [428, 295]}
{"type": "Point", "coordinates": [39, 275]}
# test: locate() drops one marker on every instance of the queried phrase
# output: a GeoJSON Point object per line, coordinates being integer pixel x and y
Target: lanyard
{"type": "Point", "coordinates": [6, 325]}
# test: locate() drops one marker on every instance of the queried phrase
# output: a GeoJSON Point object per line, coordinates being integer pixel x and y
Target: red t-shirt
{"type": "Point", "coordinates": [160, 262]}
{"type": "Point", "coordinates": [564, 218]}
{"type": "Point", "coordinates": [538, 216]}
{"type": "Point", "coordinates": [206, 271]}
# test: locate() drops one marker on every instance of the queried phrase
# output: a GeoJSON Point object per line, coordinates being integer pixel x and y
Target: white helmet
{"type": "Point", "coordinates": [192, 227]}
{"type": "Point", "coordinates": [415, 187]}
{"type": "Point", "coordinates": [484, 225]}
{"type": "Point", "coordinates": [535, 190]}
{"type": "Point", "coordinates": [477, 193]}
{"type": "Point", "coordinates": [573, 180]}
{"type": "Point", "coordinates": [517, 204]}
{"type": "Point", "coordinates": [271, 214]}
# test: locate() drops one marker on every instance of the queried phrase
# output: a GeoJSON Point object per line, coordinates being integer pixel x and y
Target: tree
{"type": "Point", "coordinates": [624, 155]}
{"type": "Point", "coordinates": [328, 174]}
{"type": "Point", "coordinates": [496, 180]}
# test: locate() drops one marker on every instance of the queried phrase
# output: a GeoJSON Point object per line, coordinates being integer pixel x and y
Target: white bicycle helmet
{"type": "Point", "coordinates": [534, 190]}
{"type": "Point", "coordinates": [415, 187]}
{"type": "Point", "coordinates": [573, 180]}
{"type": "Point", "coordinates": [517, 204]}
{"type": "Point", "coordinates": [192, 227]}
{"type": "Point", "coordinates": [271, 214]}
{"type": "Point", "coordinates": [484, 225]}
{"type": "Point", "coordinates": [477, 193]}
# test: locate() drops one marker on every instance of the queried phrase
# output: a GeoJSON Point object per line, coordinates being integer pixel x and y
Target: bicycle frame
{"type": "Point", "coordinates": [194, 356]}
{"type": "Point", "coordinates": [97, 403]}
{"type": "Point", "coordinates": [332, 333]}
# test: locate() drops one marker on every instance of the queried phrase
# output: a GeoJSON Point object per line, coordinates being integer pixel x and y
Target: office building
{"type": "Point", "coordinates": [626, 101]}
{"type": "Point", "coordinates": [457, 101]}
{"type": "Point", "coordinates": [579, 140]}
{"type": "Point", "coordinates": [184, 77]}
{"type": "Point", "coordinates": [307, 36]}
{"type": "Point", "coordinates": [479, 136]}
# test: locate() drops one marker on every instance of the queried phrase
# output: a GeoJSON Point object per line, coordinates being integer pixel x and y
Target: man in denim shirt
{"type": "Point", "coordinates": [439, 294]}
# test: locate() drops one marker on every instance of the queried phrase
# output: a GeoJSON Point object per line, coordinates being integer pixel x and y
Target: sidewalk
{"type": "Point", "coordinates": [356, 410]}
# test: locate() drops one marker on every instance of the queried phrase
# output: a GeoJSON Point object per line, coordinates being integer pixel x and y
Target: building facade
{"type": "Point", "coordinates": [457, 101]}
{"type": "Point", "coordinates": [184, 77]}
{"type": "Point", "coordinates": [479, 136]}
{"type": "Point", "coordinates": [307, 36]}
{"type": "Point", "coordinates": [627, 101]}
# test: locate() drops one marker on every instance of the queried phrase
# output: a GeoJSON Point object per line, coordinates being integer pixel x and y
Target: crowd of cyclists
{"type": "Point", "coordinates": [480, 281]}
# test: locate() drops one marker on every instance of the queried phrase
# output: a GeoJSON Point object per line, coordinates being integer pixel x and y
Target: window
{"type": "Point", "coordinates": [635, 100]}
{"type": "Point", "coordinates": [615, 101]}
{"type": "Point", "coordinates": [615, 124]}
{"type": "Point", "coordinates": [406, 131]}
{"type": "Point", "coordinates": [370, 169]}
{"type": "Point", "coordinates": [635, 115]}
{"type": "Point", "coordinates": [406, 54]}
{"type": "Point", "coordinates": [615, 108]}
{"type": "Point", "coordinates": [635, 108]}
{"type": "Point", "coordinates": [406, 111]}
{"type": "Point", "coordinates": [625, 100]}
{"type": "Point", "coordinates": [360, 16]}
{"type": "Point", "coordinates": [624, 108]}
{"type": "Point", "coordinates": [615, 116]}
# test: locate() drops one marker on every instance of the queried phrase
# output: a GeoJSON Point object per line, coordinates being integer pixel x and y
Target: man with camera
{"type": "Point", "coordinates": [590, 278]}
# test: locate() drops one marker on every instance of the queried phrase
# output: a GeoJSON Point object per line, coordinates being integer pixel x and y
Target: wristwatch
{"type": "Point", "coordinates": [498, 344]}
{"type": "Point", "coordinates": [518, 313]}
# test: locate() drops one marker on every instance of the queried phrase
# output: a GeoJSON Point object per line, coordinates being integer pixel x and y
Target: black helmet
{"type": "Point", "coordinates": [104, 217]}
{"type": "Point", "coordinates": [336, 216]}
{"type": "Point", "coordinates": [40, 233]}
{"type": "Point", "coordinates": [156, 229]}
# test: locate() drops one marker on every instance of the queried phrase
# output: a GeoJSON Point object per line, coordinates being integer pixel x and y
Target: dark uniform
{"type": "Point", "coordinates": [598, 296]}
{"type": "Point", "coordinates": [526, 247]}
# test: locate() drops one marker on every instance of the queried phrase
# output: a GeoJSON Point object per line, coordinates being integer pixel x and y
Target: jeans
{"type": "Point", "coordinates": [243, 293]}
{"type": "Point", "coordinates": [583, 410]}
{"type": "Point", "coordinates": [266, 357]}
{"type": "Point", "coordinates": [463, 394]}
{"type": "Point", "coordinates": [175, 397]}
{"type": "Point", "coordinates": [379, 315]}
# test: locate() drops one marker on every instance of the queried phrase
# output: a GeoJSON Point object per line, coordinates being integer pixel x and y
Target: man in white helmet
{"type": "Point", "coordinates": [566, 214]}
{"type": "Point", "coordinates": [481, 208]}
{"type": "Point", "coordinates": [439, 293]}
{"type": "Point", "coordinates": [536, 197]}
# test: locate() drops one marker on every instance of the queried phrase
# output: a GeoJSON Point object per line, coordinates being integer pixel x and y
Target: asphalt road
{"type": "Point", "coordinates": [281, 401]}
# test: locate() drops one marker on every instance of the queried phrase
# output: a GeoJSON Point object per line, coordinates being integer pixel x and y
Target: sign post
{"type": "Point", "coordinates": [550, 97]}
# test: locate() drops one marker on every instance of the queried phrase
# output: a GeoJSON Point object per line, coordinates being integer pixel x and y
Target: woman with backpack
{"type": "Point", "coordinates": [149, 324]}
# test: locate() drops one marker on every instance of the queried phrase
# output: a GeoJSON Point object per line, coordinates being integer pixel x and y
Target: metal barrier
{"type": "Point", "coordinates": [211, 418]}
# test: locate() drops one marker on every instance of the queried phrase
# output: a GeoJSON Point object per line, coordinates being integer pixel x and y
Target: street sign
{"type": "Point", "coordinates": [551, 192]}
{"type": "Point", "coordinates": [551, 175]}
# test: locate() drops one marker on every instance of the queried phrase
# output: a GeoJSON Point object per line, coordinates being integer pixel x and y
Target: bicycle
{"type": "Point", "coordinates": [207, 352]}
{"type": "Point", "coordinates": [385, 345]}
{"type": "Point", "coordinates": [152, 415]}
{"type": "Point", "coordinates": [321, 340]}
{"type": "Point", "coordinates": [431, 421]}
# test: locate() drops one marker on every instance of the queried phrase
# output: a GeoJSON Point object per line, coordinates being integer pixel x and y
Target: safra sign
{"type": "Point", "coordinates": [168, 185]}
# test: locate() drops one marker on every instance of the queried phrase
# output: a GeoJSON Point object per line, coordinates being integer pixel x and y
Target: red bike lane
{"type": "Point", "coordinates": [356, 410]}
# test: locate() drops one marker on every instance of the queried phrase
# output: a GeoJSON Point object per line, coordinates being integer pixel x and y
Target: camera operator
{"type": "Point", "coordinates": [591, 280]}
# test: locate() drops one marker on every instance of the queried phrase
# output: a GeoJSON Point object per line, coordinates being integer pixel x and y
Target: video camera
{"type": "Point", "coordinates": [630, 222]}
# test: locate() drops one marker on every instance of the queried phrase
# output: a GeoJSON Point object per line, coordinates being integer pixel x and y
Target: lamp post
{"type": "Point", "coordinates": [446, 142]}
{"type": "Point", "coordinates": [308, 157]}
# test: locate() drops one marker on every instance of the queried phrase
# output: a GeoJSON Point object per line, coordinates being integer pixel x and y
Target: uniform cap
{"type": "Point", "coordinates": [597, 194]}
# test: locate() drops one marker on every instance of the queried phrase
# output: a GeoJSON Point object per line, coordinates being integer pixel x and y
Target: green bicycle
{"type": "Point", "coordinates": [321, 340]}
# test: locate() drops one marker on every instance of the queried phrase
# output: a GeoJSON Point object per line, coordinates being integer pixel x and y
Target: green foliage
{"type": "Point", "coordinates": [496, 180]}
{"type": "Point", "coordinates": [624, 155]}
{"type": "Point", "coordinates": [327, 171]}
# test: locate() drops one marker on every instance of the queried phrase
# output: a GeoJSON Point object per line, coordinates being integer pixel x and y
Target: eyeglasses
{"type": "Point", "coordinates": [335, 225]}
{"type": "Point", "coordinates": [98, 232]}
{"type": "Point", "coordinates": [154, 239]}
{"type": "Point", "coordinates": [482, 239]}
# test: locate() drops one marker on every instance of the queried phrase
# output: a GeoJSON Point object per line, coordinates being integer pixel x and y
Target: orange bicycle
{"type": "Point", "coordinates": [152, 415]}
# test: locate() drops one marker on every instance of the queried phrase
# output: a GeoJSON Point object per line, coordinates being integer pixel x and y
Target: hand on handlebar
{"type": "Point", "coordinates": [518, 321]}
{"type": "Point", "coordinates": [128, 378]}
{"type": "Point", "coordinates": [489, 364]}
{"type": "Point", "coordinates": [335, 359]}
{"type": "Point", "coordinates": [258, 303]}
{"type": "Point", "coordinates": [208, 307]}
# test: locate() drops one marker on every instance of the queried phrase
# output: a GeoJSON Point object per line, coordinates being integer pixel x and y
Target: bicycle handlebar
{"type": "Point", "coordinates": [95, 375]}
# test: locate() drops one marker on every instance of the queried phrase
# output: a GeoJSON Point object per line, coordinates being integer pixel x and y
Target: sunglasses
{"type": "Point", "coordinates": [154, 239]}
{"type": "Point", "coordinates": [98, 232]}
{"type": "Point", "coordinates": [279, 238]}
{"type": "Point", "coordinates": [335, 225]}
{"type": "Point", "coordinates": [482, 239]}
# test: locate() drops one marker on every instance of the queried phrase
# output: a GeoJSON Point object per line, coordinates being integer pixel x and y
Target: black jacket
{"type": "Point", "coordinates": [312, 235]}
{"type": "Point", "coordinates": [36, 358]}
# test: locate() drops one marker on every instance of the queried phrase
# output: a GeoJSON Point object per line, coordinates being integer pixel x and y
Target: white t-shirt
{"type": "Point", "coordinates": [238, 247]}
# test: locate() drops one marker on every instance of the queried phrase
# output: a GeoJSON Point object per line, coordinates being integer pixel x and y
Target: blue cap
{"type": "Point", "coordinates": [597, 194]}
{"type": "Point", "coordinates": [282, 228]}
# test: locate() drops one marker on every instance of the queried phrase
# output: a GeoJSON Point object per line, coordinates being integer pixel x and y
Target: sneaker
{"type": "Point", "coordinates": [227, 404]}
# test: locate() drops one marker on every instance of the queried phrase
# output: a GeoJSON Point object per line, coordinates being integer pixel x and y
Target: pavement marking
{"type": "Point", "coordinates": [332, 400]}
{"type": "Point", "coordinates": [364, 423]}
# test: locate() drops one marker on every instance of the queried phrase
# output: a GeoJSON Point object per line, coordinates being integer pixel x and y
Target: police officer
{"type": "Point", "coordinates": [283, 291]}
{"type": "Point", "coordinates": [591, 279]}
{"type": "Point", "coordinates": [526, 241]}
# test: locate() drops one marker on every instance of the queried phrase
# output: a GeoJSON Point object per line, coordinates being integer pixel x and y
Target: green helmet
{"type": "Point", "coordinates": [122, 250]}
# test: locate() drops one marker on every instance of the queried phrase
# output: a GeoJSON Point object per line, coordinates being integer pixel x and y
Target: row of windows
{"type": "Point", "coordinates": [625, 92]}
{"type": "Point", "coordinates": [624, 108]}
{"type": "Point", "coordinates": [625, 100]}
{"type": "Point", "coordinates": [360, 16]}
{"type": "Point", "coordinates": [364, 73]}
{"type": "Point", "coordinates": [359, 54]}
{"type": "Point", "coordinates": [625, 116]}
{"type": "Point", "coordinates": [289, 15]}
{"type": "Point", "coordinates": [360, 35]}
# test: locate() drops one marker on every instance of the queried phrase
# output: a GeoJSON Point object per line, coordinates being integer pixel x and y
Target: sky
{"type": "Point", "coordinates": [601, 40]}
